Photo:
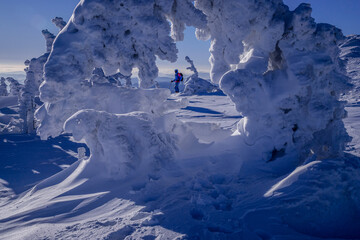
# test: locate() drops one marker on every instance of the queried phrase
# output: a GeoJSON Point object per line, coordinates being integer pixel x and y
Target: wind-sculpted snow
{"type": "Point", "coordinates": [29, 96]}
{"type": "Point", "coordinates": [114, 99]}
{"type": "Point", "coordinates": [241, 32]}
{"type": "Point", "coordinates": [49, 38]}
{"type": "Point", "coordinates": [3, 87]}
{"type": "Point", "coordinates": [59, 22]}
{"type": "Point", "coordinates": [196, 85]}
{"type": "Point", "coordinates": [15, 86]}
{"type": "Point", "coordinates": [350, 53]}
{"type": "Point", "coordinates": [286, 78]}
{"type": "Point", "coordinates": [105, 41]}
{"type": "Point", "coordinates": [121, 143]}
{"type": "Point", "coordinates": [116, 35]}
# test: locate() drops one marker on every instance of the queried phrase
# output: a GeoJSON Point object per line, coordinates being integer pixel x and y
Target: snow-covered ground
{"type": "Point", "coordinates": [208, 194]}
{"type": "Point", "coordinates": [158, 165]}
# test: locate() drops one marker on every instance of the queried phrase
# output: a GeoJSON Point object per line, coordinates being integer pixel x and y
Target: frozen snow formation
{"type": "Point", "coordinates": [105, 40]}
{"type": "Point", "coordinates": [95, 28]}
{"type": "Point", "coordinates": [15, 86]}
{"type": "Point", "coordinates": [3, 87]}
{"type": "Point", "coordinates": [350, 53]}
{"type": "Point", "coordinates": [59, 22]}
{"type": "Point", "coordinates": [123, 142]}
{"type": "Point", "coordinates": [29, 99]}
{"type": "Point", "coordinates": [9, 119]}
{"type": "Point", "coordinates": [49, 38]}
{"type": "Point", "coordinates": [279, 67]}
{"type": "Point", "coordinates": [196, 85]}
{"type": "Point", "coordinates": [282, 70]}
{"type": "Point", "coordinates": [98, 76]}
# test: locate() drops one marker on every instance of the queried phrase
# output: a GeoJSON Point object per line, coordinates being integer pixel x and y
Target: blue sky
{"type": "Point", "coordinates": [21, 22]}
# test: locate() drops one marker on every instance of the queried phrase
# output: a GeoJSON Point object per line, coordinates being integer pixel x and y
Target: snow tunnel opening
{"type": "Point", "coordinates": [197, 50]}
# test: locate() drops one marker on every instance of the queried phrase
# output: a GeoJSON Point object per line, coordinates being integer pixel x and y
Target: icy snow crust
{"type": "Point", "coordinates": [269, 164]}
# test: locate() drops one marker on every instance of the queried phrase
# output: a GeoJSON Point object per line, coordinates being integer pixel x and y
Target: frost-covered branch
{"type": "Point", "coordinates": [192, 67]}
{"type": "Point", "coordinates": [49, 38]}
{"type": "Point", "coordinates": [196, 85]}
{"type": "Point", "coordinates": [59, 22]}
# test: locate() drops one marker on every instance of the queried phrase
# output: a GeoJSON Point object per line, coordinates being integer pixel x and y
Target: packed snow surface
{"type": "Point", "coordinates": [207, 194]}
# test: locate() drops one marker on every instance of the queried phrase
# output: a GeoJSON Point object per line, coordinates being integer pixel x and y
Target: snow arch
{"type": "Point", "coordinates": [279, 67]}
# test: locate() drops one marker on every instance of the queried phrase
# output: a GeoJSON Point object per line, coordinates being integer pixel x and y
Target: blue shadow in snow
{"type": "Point", "coordinates": [6, 110]}
{"type": "Point", "coordinates": [26, 159]}
{"type": "Point", "coordinates": [201, 110]}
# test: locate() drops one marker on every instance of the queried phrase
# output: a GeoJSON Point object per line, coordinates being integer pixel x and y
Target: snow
{"type": "Point", "coordinates": [286, 83]}
{"type": "Point", "coordinates": [3, 87]}
{"type": "Point", "coordinates": [196, 85]}
{"type": "Point", "coordinates": [271, 159]}
{"type": "Point", "coordinates": [209, 194]}
{"type": "Point", "coordinates": [350, 53]}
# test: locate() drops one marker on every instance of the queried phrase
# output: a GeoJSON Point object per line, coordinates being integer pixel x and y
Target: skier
{"type": "Point", "coordinates": [178, 78]}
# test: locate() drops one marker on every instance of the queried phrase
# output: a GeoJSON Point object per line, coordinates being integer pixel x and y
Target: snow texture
{"type": "Point", "coordinates": [119, 36]}
{"type": "Point", "coordinates": [288, 78]}
{"type": "Point", "coordinates": [15, 86]}
{"type": "Point", "coordinates": [59, 22]}
{"type": "Point", "coordinates": [3, 87]}
{"type": "Point", "coordinates": [92, 39]}
{"type": "Point", "coordinates": [196, 85]}
{"type": "Point", "coordinates": [350, 53]}
{"type": "Point", "coordinates": [29, 97]}
{"type": "Point", "coordinates": [122, 143]}
{"type": "Point", "coordinates": [49, 38]}
{"type": "Point", "coordinates": [165, 167]}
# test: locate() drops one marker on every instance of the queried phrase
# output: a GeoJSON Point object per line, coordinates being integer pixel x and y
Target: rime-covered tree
{"type": "Point", "coordinates": [15, 87]}
{"type": "Point", "coordinates": [116, 36]}
{"type": "Point", "coordinates": [196, 85]}
{"type": "Point", "coordinates": [29, 97]}
{"type": "Point", "coordinates": [282, 71]}
{"type": "Point", "coordinates": [3, 87]}
{"type": "Point", "coordinates": [59, 22]}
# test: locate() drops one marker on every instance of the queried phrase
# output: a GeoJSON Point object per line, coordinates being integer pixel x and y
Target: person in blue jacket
{"type": "Point", "coordinates": [177, 80]}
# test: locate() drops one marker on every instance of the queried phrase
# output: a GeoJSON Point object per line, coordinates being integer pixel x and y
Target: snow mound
{"type": "Point", "coordinates": [196, 85]}
{"type": "Point", "coordinates": [322, 192]}
{"type": "Point", "coordinates": [121, 143]}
